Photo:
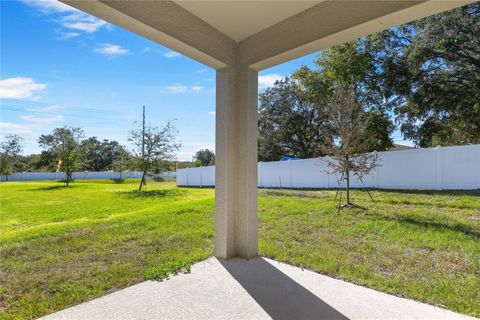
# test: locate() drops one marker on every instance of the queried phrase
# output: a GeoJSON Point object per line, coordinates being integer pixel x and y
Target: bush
{"type": "Point", "coordinates": [118, 180]}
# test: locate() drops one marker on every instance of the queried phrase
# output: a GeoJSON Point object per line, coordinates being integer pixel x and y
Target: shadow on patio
{"type": "Point", "coordinates": [279, 295]}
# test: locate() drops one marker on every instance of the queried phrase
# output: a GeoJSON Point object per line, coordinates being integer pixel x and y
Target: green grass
{"type": "Point", "coordinates": [61, 246]}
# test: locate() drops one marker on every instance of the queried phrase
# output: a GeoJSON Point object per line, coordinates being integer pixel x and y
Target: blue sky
{"type": "Point", "coordinates": [63, 67]}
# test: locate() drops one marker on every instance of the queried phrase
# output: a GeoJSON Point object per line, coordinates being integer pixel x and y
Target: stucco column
{"type": "Point", "coordinates": [236, 220]}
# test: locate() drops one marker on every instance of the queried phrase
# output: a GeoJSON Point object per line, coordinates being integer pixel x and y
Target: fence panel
{"type": "Point", "coordinates": [460, 167]}
{"type": "Point", "coordinates": [430, 168]}
{"type": "Point", "coordinates": [34, 176]}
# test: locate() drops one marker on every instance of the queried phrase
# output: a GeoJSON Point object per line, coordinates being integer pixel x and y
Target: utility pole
{"type": "Point", "coordinates": [143, 182]}
{"type": "Point", "coordinates": [143, 134]}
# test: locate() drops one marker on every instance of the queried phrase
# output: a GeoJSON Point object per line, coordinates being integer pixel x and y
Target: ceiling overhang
{"type": "Point", "coordinates": [257, 33]}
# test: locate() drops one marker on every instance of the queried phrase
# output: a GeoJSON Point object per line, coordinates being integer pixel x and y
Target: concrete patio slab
{"type": "Point", "coordinates": [258, 288]}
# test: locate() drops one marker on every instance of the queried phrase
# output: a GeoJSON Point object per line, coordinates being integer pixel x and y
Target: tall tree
{"type": "Point", "coordinates": [99, 155]}
{"type": "Point", "coordinates": [431, 72]}
{"type": "Point", "coordinates": [10, 149]}
{"type": "Point", "coordinates": [206, 157]}
{"type": "Point", "coordinates": [64, 144]}
{"type": "Point", "coordinates": [153, 144]}
{"type": "Point", "coordinates": [293, 114]}
{"type": "Point", "coordinates": [290, 124]}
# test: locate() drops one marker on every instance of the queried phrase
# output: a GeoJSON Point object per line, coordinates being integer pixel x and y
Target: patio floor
{"type": "Point", "coordinates": [258, 288]}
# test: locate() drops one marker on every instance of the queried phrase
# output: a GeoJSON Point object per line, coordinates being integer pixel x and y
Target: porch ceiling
{"type": "Point", "coordinates": [241, 19]}
{"type": "Point", "coordinates": [259, 34]}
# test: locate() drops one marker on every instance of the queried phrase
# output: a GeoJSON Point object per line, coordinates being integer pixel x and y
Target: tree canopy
{"type": "Point", "coordinates": [430, 70]}
{"type": "Point", "coordinates": [10, 149]}
{"type": "Point", "coordinates": [206, 157]}
{"type": "Point", "coordinates": [153, 144]}
{"type": "Point", "coordinates": [99, 155]}
{"type": "Point", "coordinates": [423, 77]}
{"type": "Point", "coordinates": [64, 144]}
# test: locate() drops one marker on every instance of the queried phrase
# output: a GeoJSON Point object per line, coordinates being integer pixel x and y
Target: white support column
{"type": "Point", "coordinates": [236, 220]}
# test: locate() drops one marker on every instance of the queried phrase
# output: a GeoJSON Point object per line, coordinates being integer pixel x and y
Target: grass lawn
{"type": "Point", "coordinates": [61, 246]}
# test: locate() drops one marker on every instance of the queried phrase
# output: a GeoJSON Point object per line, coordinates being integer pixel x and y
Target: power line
{"type": "Point", "coordinates": [64, 114]}
{"type": "Point", "coordinates": [51, 105]}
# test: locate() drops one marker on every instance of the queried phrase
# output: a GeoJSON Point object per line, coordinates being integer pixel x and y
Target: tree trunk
{"type": "Point", "coordinates": [143, 182]}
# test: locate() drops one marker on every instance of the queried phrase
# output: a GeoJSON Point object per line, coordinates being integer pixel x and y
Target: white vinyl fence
{"type": "Point", "coordinates": [431, 168]}
{"type": "Point", "coordinates": [25, 176]}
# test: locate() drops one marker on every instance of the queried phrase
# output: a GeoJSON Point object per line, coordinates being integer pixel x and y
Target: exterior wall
{"type": "Point", "coordinates": [28, 176]}
{"type": "Point", "coordinates": [431, 168]}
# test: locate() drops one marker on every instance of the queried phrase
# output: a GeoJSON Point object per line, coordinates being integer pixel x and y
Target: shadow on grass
{"type": "Point", "coordinates": [430, 224]}
{"type": "Point", "coordinates": [164, 193]}
{"type": "Point", "coordinates": [52, 188]}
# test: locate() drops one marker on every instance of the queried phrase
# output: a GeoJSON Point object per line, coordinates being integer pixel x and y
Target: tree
{"type": "Point", "coordinates": [153, 144]}
{"type": "Point", "coordinates": [206, 157]}
{"type": "Point", "coordinates": [122, 163]}
{"type": "Point", "coordinates": [430, 69]}
{"type": "Point", "coordinates": [293, 118]}
{"type": "Point", "coordinates": [99, 155]}
{"type": "Point", "coordinates": [290, 124]}
{"type": "Point", "coordinates": [351, 139]}
{"type": "Point", "coordinates": [64, 144]}
{"type": "Point", "coordinates": [45, 161]}
{"type": "Point", "coordinates": [10, 149]}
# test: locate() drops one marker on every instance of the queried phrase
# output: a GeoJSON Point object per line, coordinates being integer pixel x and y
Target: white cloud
{"type": "Point", "coordinates": [19, 88]}
{"type": "Point", "coordinates": [67, 35]}
{"type": "Point", "coordinates": [177, 88]}
{"type": "Point", "coordinates": [82, 22]}
{"type": "Point", "coordinates": [268, 80]}
{"type": "Point", "coordinates": [202, 70]}
{"type": "Point", "coordinates": [43, 121]}
{"type": "Point", "coordinates": [212, 113]}
{"type": "Point", "coordinates": [111, 50]}
{"type": "Point", "coordinates": [68, 17]}
{"type": "Point", "coordinates": [197, 88]}
{"type": "Point", "coordinates": [180, 88]}
{"type": "Point", "coordinates": [49, 6]}
{"type": "Point", "coordinates": [171, 54]}
{"type": "Point", "coordinates": [15, 128]}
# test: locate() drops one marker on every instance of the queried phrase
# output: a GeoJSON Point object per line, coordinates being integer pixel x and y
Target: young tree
{"type": "Point", "coordinates": [351, 141]}
{"type": "Point", "coordinates": [64, 144]}
{"type": "Point", "coordinates": [122, 163]}
{"type": "Point", "coordinates": [153, 144]}
{"type": "Point", "coordinates": [10, 149]}
{"type": "Point", "coordinates": [206, 157]}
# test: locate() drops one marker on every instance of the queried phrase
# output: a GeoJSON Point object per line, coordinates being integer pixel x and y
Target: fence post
{"type": "Point", "coordinates": [439, 171]}
{"type": "Point", "coordinates": [290, 172]}
{"type": "Point", "coordinates": [259, 172]}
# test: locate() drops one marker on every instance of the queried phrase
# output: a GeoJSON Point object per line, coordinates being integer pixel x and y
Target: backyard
{"type": "Point", "coordinates": [61, 246]}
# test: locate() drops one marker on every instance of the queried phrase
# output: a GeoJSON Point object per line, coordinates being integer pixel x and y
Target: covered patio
{"type": "Point", "coordinates": [238, 39]}
{"type": "Point", "coordinates": [257, 288]}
